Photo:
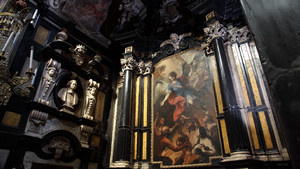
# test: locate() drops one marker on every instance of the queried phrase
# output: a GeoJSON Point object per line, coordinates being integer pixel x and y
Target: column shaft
{"type": "Point", "coordinates": [237, 133]}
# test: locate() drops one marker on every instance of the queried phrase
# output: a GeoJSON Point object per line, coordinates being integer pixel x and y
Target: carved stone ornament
{"type": "Point", "coordinates": [90, 99]}
{"type": "Point", "coordinates": [79, 52]}
{"type": "Point", "coordinates": [238, 35]}
{"type": "Point", "coordinates": [141, 67]}
{"type": "Point", "coordinates": [60, 144]}
{"type": "Point", "coordinates": [148, 68]}
{"type": "Point", "coordinates": [62, 35]}
{"type": "Point", "coordinates": [85, 132]}
{"type": "Point", "coordinates": [174, 40]}
{"type": "Point", "coordinates": [215, 29]}
{"type": "Point", "coordinates": [48, 82]}
{"type": "Point", "coordinates": [38, 117]}
{"type": "Point", "coordinates": [127, 64]}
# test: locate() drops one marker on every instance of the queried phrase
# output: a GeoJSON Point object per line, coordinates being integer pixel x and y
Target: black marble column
{"type": "Point", "coordinates": [123, 141]}
{"type": "Point", "coordinates": [237, 132]}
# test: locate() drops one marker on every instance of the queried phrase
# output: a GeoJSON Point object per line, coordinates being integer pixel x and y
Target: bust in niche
{"type": "Point", "coordinates": [69, 96]}
{"type": "Point", "coordinates": [90, 99]}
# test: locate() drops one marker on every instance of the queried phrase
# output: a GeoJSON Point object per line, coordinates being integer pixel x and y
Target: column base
{"type": "Point", "coordinates": [141, 165]}
{"type": "Point", "coordinates": [284, 154]}
{"type": "Point", "coordinates": [238, 156]}
{"type": "Point", "coordinates": [121, 164]}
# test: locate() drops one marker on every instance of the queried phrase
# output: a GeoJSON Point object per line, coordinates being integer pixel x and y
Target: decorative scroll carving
{"type": "Point", "coordinates": [69, 96]}
{"type": "Point", "coordinates": [90, 99]}
{"type": "Point", "coordinates": [148, 68]}
{"type": "Point", "coordinates": [60, 144]}
{"type": "Point", "coordinates": [79, 51]}
{"type": "Point", "coordinates": [85, 132]}
{"type": "Point", "coordinates": [174, 40]}
{"type": "Point", "coordinates": [48, 81]}
{"type": "Point", "coordinates": [38, 117]}
{"type": "Point", "coordinates": [127, 64]}
{"type": "Point", "coordinates": [239, 35]}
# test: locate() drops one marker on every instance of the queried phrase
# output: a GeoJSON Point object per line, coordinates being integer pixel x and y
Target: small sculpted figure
{"type": "Point", "coordinates": [48, 81]}
{"type": "Point", "coordinates": [90, 99]}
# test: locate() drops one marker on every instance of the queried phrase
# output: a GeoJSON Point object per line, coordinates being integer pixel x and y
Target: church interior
{"type": "Point", "coordinates": [90, 84]}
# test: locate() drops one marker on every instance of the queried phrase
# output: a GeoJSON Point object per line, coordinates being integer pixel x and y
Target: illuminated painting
{"type": "Point", "coordinates": [185, 130]}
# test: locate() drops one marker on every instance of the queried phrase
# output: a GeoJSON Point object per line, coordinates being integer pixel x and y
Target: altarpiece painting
{"type": "Point", "coordinates": [185, 127]}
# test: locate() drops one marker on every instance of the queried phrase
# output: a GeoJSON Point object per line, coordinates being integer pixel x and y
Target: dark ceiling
{"type": "Point", "coordinates": [142, 23]}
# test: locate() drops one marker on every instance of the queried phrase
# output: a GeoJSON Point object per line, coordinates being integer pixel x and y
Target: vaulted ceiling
{"type": "Point", "coordinates": [142, 23]}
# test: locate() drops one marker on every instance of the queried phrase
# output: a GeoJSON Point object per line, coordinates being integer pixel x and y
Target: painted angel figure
{"type": "Point", "coordinates": [177, 94]}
